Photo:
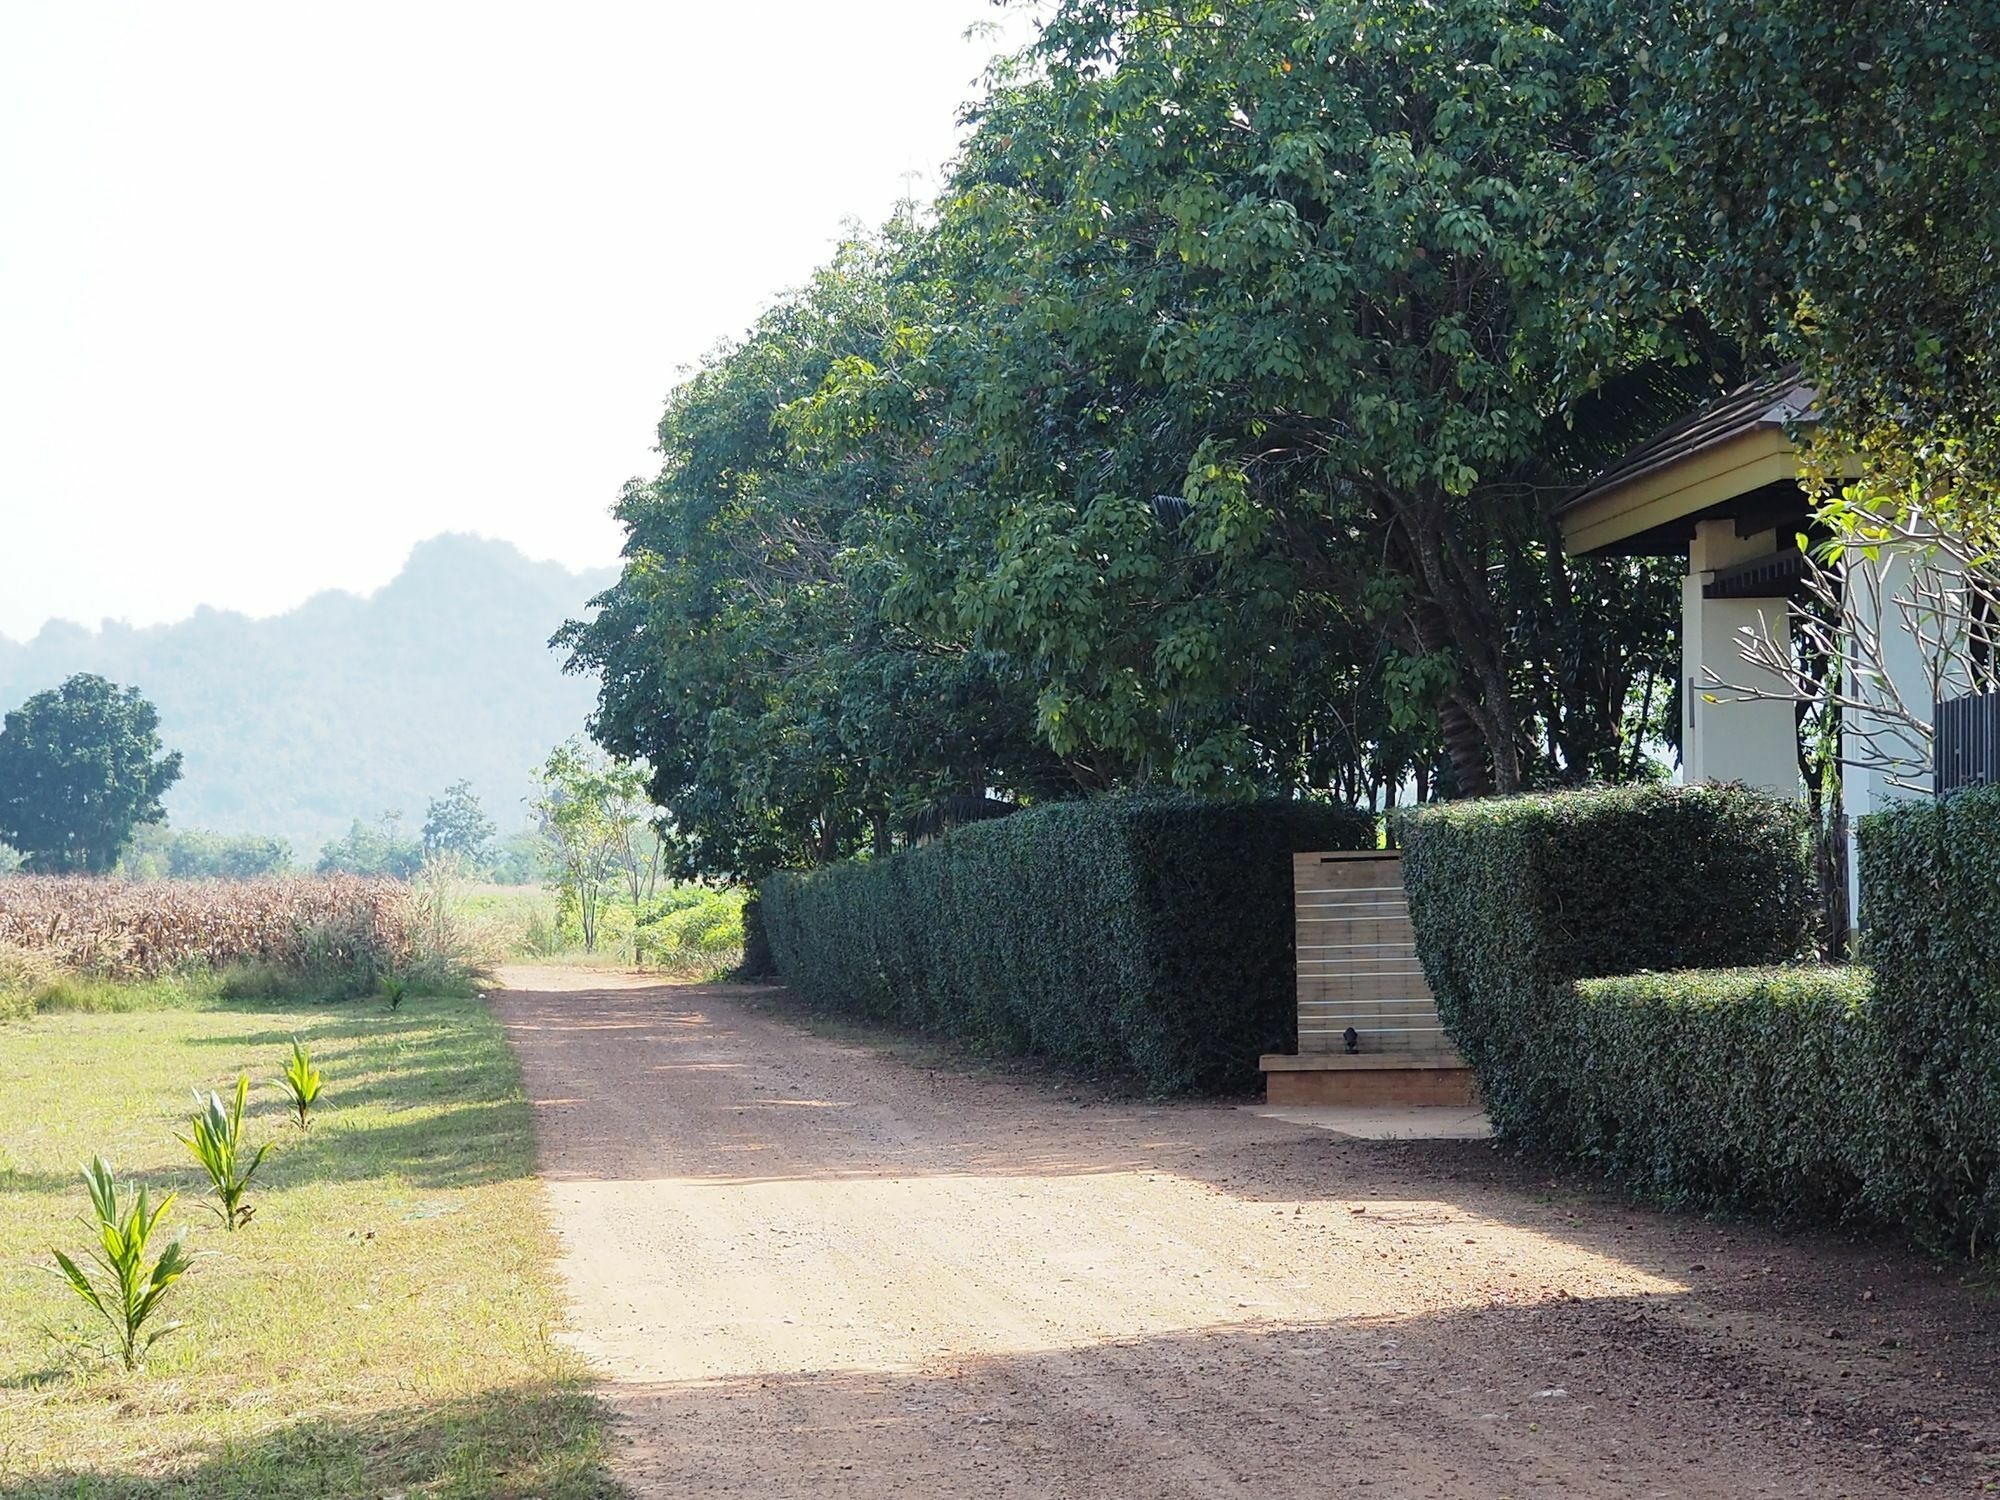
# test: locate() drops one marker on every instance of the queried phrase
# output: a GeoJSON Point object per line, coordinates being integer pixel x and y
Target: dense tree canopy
{"type": "Point", "coordinates": [1208, 429]}
{"type": "Point", "coordinates": [1826, 177]}
{"type": "Point", "coordinates": [81, 767]}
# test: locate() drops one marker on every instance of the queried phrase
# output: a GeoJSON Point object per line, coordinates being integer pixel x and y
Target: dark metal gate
{"type": "Point", "coordinates": [1966, 743]}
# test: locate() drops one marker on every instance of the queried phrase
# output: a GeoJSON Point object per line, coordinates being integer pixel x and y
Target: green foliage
{"type": "Point", "coordinates": [689, 927]}
{"type": "Point", "coordinates": [126, 1292]}
{"type": "Point", "coordinates": [1749, 1088]}
{"type": "Point", "coordinates": [1823, 178]}
{"type": "Point", "coordinates": [1514, 898]}
{"type": "Point", "coordinates": [598, 825]}
{"type": "Point", "coordinates": [81, 767]}
{"type": "Point", "coordinates": [1871, 1095]}
{"type": "Point", "coordinates": [455, 824]}
{"type": "Point", "coordinates": [216, 1139]}
{"type": "Point", "coordinates": [1931, 913]}
{"type": "Point", "coordinates": [518, 858]}
{"type": "Point", "coordinates": [1146, 938]}
{"type": "Point", "coordinates": [382, 851]}
{"type": "Point", "coordinates": [746, 655]}
{"type": "Point", "coordinates": [1204, 436]}
{"type": "Point", "coordinates": [301, 1083]}
{"type": "Point", "coordinates": [160, 853]}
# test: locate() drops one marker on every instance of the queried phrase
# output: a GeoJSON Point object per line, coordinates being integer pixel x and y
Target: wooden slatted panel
{"type": "Point", "coordinates": [1358, 959]}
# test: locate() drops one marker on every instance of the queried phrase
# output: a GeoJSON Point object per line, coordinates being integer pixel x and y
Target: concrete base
{"type": "Point", "coordinates": [1367, 1082]}
{"type": "Point", "coordinates": [1407, 1123]}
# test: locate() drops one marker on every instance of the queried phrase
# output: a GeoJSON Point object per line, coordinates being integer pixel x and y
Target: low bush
{"type": "Point", "coordinates": [1513, 898]}
{"type": "Point", "coordinates": [1870, 1095]}
{"type": "Point", "coordinates": [1931, 917]}
{"type": "Point", "coordinates": [1143, 937]}
{"type": "Point", "coordinates": [1748, 1087]}
{"type": "Point", "coordinates": [690, 928]}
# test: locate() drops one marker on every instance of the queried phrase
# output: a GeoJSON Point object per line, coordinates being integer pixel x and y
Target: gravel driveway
{"type": "Point", "coordinates": [814, 1266]}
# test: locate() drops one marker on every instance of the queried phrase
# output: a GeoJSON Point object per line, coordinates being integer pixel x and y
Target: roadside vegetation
{"type": "Point", "coordinates": [381, 1322]}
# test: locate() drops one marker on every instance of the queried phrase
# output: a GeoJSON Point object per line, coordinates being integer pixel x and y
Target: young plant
{"type": "Point", "coordinates": [125, 1292]}
{"type": "Point", "coordinates": [393, 990]}
{"type": "Point", "coordinates": [217, 1143]}
{"type": "Point", "coordinates": [301, 1083]}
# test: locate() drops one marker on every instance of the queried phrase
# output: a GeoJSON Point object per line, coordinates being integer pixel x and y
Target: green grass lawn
{"type": "Point", "coordinates": [385, 1325]}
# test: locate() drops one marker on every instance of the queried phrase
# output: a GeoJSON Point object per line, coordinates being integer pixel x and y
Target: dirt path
{"type": "Point", "coordinates": [807, 1268]}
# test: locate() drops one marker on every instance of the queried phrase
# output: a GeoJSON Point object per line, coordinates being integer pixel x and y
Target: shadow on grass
{"type": "Point", "coordinates": [39, 1182]}
{"type": "Point", "coordinates": [466, 1144]}
{"type": "Point", "coordinates": [542, 1441]}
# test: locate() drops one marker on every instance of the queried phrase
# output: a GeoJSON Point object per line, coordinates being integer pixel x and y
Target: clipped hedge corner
{"type": "Point", "coordinates": [1931, 918]}
{"type": "Point", "coordinates": [1871, 1095]}
{"type": "Point", "coordinates": [1144, 937]}
{"type": "Point", "coordinates": [1513, 898]}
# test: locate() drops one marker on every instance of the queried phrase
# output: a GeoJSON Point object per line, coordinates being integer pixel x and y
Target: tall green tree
{"type": "Point", "coordinates": [1207, 432]}
{"type": "Point", "coordinates": [1309, 274]}
{"type": "Point", "coordinates": [745, 655]}
{"type": "Point", "coordinates": [1824, 176]}
{"type": "Point", "coordinates": [455, 823]}
{"type": "Point", "coordinates": [597, 824]}
{"type": "Point", "coordinates": [81, 767]}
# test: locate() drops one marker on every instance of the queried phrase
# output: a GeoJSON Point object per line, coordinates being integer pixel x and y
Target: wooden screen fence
{"type": "Point", "coordinates": [1358, 965]}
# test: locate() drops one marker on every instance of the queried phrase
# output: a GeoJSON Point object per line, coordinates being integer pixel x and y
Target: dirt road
{"type": "Point", "coordinates": [807, 1267]}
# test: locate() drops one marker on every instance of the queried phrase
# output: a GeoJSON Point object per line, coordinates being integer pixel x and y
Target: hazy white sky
{"type": "Point", "coordinates": [286, 288]}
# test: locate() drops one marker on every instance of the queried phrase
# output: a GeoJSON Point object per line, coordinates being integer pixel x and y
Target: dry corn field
{"type": "Point", "coordinates": [136, 930]}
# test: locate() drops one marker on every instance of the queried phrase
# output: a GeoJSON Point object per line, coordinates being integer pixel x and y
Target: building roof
{"type": "Point", "coordinates": [1776, 401]}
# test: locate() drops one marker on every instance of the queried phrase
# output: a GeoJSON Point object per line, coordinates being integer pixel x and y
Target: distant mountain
{"type": "Point", "coordinates": [348, 706]}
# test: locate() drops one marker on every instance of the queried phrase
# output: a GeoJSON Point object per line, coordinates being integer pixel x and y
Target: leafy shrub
{"type": "Point", "coordinates": [1749, 1087]}
{"type": "Point", "coordinates": [1144, 937]}
{"type": "Point", "coordinates": [1513, 898]}
{"type": "Point", "coordinates": [1871, 1095]}
{"type": "Point", "coordinates": [1931, 915]}
{"type": "Point", "coordinates": [126, 1291]}
{"type": "Point", "coordinates": [690, 927]}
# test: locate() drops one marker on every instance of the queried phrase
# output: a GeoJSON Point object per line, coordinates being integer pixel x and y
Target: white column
{"type": "Point", "coordinates": [1725, 735]}
{"type": "Point", "coordinates": [1873, 591]}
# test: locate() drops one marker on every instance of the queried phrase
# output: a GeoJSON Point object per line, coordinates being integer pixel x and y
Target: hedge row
{"type": "Point", "coordinates": [1931, 918]}
{"type": "Point", "coordinates": [1747, 1087]}
{"type": "Point", "coordinates": [1149, 938]}
{"type": "Point", "coordinates": [1513, 898]}
{"type": "Point", "coordinates": [1829, 1092]}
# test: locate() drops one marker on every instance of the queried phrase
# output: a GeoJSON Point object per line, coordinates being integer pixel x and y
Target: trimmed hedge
{"type": "Point", "coordinates": [1513, 898]}
{"type": "Point", "coordinates": [1747, 1087]}
{"type": "Point", "coordinates": [1861, 1094]}
{"type": "Point", "coordinates": [1931, 918]}
{"type": "Point", "coordinates": [1143, 937]}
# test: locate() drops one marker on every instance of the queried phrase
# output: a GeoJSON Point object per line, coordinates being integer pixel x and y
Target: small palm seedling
{"type": "Point", "coordinates": [124, 1290]}
{"type": "Point", "coordinates": [217, 1143]}
{"type": "Point", "coordinates": [393, 990]}
{"type": "Point", "coordinates": [301, 1083]}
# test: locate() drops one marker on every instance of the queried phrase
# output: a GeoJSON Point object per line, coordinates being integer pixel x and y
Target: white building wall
{"type": "Point", "coordinates": [1728, 736]}
{"type": "Point", "coordinates": [1872, 591]}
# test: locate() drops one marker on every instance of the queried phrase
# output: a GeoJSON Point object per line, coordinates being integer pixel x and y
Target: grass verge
{"type": "Point", "coordinates": [385, 1325]}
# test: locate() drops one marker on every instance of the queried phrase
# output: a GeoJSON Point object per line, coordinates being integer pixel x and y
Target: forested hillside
{"type": "Point", "coordinates": [348, 706]}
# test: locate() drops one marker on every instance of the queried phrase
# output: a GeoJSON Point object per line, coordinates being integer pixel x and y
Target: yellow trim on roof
{"type": "Point", "coordinates": [1707, 477]}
